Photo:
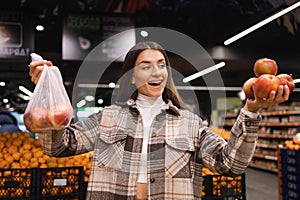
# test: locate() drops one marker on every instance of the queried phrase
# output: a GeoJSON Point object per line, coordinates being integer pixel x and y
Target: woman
{"type": "Point", "coordinates": [146, 146]}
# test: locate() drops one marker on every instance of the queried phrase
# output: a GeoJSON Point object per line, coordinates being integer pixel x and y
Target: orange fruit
{"type": "Point", "coordinates": [17, 142]}
{"type": "Point", "coordinates": [15, 165]}
{"type": "Point", "coordinates": [12, 149]}
{"type": "Point", "coordinates": [16, 155]}
{"type": "Point", "coordinates": [4, 164]}
{"type": "Point", "coordinates": [27, 155]}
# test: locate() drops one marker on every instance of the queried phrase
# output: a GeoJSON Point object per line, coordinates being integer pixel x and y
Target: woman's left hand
{"type": "Point", "coordinates": [275, 98]}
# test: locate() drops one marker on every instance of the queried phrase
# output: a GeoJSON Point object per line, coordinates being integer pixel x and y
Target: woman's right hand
{"type": "Point", "coordinates": [35, 69]}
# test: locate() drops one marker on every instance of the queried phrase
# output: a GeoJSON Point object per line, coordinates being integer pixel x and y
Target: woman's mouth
{"type": "Point", "coordinates": [155, 83]}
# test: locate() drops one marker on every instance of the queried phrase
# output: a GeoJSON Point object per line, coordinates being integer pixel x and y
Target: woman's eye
{"type": "Point", "coordinates": [146, 67]}
{"type": "Point", "coordinates": [162, 66]}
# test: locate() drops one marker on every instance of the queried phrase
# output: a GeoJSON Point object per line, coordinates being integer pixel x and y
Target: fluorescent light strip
{"type": "Point", "coordinates": [296, 80]}
{"type": "Point", "coordinates": [262, 23]}
{"type": "Point", "coordinates": [25, 90]}
{"type": "Point", "coordinates": [211, 88]}
{"type": "Point", "coordinates": [203, 72]}
{"type": "Point", "coordinates": [91, 85]}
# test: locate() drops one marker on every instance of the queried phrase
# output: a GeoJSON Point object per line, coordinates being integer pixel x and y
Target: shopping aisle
{"type": "Point", "coordinates": [261, 185]}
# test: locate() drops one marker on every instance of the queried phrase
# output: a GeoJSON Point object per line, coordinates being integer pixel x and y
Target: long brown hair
{"type": "Point", "coordinates": [127, 90]}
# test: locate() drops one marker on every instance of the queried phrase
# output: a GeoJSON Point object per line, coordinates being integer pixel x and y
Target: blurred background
{"type": "Point", "coordinates": [65, 31]}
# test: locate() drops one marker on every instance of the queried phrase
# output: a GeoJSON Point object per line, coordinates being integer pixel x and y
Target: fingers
{"type": "Point", "coordinates": [35, 75]}
{"type": "Point", "coordinates": [35, 69]}
{"type": "Point", "coordinates": [279, 96]}
{"type": "Point", "coordinates": [286, 93]}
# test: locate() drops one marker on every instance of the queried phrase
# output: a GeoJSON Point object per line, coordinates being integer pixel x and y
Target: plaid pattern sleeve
{"type": "Point", "coordinates": [76, 139]}
{"type": "Point", "coordinates": [231, 157]}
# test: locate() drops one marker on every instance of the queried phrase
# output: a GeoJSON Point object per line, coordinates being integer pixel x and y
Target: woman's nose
{"type": "Point", "coordinates": [156, 70]}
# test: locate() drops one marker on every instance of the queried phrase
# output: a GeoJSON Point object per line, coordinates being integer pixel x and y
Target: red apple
{"type": "Point", "coordinates": [264, 84]}
{"type": "Point", "coordinates": [35, 119]}
{"type": "Point", "coordinates": [59, 116]}
{"type": "Point", "coordinates": [285, 79]}
{"type": "Point", "coordinates": [248, 87]}
{"type": "Point", "coordinates": [265, 66]}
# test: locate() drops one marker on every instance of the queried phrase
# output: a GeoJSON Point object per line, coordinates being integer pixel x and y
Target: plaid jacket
{"type": "Point", "coordinates": [179, 146]}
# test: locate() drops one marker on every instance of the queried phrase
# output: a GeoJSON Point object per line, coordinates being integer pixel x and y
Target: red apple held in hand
{"type": "Point", "coordinates": [264, 84]}
{"type": "Point", "coordinates": [248, 87]}
{"type": "Point", "coordinates": [285, 79]}
{"type": "Point", "coordinates": [265, 66]}
{"type": "Point", "coordinates": [59, 116]}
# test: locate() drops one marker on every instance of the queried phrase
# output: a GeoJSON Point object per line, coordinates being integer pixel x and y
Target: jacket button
{"type": "Point", "coordinates": [152, 180]}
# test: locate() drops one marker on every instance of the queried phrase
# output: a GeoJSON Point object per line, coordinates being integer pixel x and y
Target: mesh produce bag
{"type": "Point", "coordinates": [49, 107]}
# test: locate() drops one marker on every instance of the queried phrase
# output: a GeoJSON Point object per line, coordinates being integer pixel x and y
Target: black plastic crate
{"type": "Point", "coordinates": [219, 187]}
{"type": "Point", "coordinates": [288, 174]}
{"type": "Point", "coordinates": [60, 183]}
{"type": "Point", "coordinates": [17, 184]}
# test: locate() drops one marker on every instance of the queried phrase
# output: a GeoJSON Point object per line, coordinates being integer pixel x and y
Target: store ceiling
{"type": "Point", "coordinates": [208, 22]}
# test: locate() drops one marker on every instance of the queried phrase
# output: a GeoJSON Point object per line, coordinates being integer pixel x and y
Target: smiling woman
{"type": "Point", "coordinates": [147, 145]}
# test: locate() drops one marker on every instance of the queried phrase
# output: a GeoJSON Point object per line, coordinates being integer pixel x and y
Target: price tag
{"type": "Point", "coordinates": [60, 182]}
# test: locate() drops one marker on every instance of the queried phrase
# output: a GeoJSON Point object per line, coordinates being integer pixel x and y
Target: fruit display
{"type": "Point", "coordinates": [217, 186]}
{"type": "Point", "coordinates": [39, 119]}
{"type": "Point", "coordinates": [266, 79]}
{"type": "Point", "coordinates": [20, 151]}
{"type": "Point", "coordinates": [294, 143]}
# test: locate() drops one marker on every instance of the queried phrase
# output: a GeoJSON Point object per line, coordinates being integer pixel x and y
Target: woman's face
{"type": "Point", "coordinates": [150, 73]}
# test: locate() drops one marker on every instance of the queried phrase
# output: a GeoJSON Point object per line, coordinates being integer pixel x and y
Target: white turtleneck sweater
{"type": "Point", "coordinates": [149, 107]}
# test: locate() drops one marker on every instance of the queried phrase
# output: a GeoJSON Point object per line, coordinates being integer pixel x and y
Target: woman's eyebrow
{"type": "Point", "coordinates": [147, 62]}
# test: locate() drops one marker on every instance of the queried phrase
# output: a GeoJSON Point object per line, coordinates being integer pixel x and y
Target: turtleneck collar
{"type": "Point", "coordinates": [146, 101]}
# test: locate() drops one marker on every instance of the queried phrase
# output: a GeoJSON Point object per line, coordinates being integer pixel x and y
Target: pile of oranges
{"type": "Point", "coordinates": [293, 144]}
{"type": "Point", "coordinates": [18, 151]}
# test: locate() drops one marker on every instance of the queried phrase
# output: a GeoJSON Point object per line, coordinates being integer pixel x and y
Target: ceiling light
{"type": "Point", "coordinates": [203, 72]}
{"type": "Point", "coordinates": [2, 83]}
{"type": "Point", "coordinates": [296, 80]}
{"type": "Point", "coordinates": [100, 101]}
{"type": "Point", "coordinates": [112, 85]}
{"type": "Point", "coordinates": [262, 23]}
{"type": "Point", "coordinates": [81, 103]}
{"type": "Point", "coordinates": [89, 98]}
{"type": "Point", "coordinates": [39, 28]}
{"type": "Point", "coordinates": [25, 90]}
{"type": "Point", "coordinates": [144, 34]}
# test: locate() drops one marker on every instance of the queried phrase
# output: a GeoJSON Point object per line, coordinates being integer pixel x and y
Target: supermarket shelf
{"type": "Point", "coordinates": [267, 157]}
{"type": "Point", "coordinates": [274, 113]}
{"type": "Point", "coordinates": [283, 124]}
{"type": "Point", "coordinates": [277, 136]}
{"type": "Point", "coordinates": [268, 146]}
{"type": "Point", "coordinates": [276, 127]}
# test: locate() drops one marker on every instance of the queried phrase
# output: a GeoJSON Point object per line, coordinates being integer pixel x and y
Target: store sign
{"type": "Point", "coordinates": [83, 32]}
{"type": "Point", "coordinates": [16, 36]}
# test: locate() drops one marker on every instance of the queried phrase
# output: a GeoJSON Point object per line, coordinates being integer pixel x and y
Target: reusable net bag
{"type": "Point", "coordinates": [49, 107]}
